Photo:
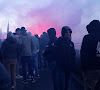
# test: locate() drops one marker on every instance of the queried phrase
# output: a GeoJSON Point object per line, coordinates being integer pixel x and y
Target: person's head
{"type": "Point", "coordinates": [29, 33]}
{"type": "Point", "coordinates": [44, 33]}
{"type": "Point", "coordinates": [36, 35]}
{"type": "Point", "coordinates": [93, 26]}
{"type": "Point", "coordinates": [18, 31]}
{"type": "Point", "coordinates": [23, 30]}
{"type": "Point", "coordinates": [66, 32]}
{"type": "Point", "coordinates": [51, 32]}
{"type": "Point", "coordinates": [9, 34]}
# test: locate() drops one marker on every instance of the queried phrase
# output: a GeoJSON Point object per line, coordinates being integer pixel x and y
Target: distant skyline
{"type": "Point", "coordinates": [39, 15]}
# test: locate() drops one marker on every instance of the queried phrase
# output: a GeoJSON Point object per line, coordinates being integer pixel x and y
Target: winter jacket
{"type": "Point", "coordinates": [18, 38]}
{"type": "Point", "coordinates": [88, 51]}
{"type": "Point", "coordinates": [65, 54]}
{"type": "Point", "coordinates": [49, 52]}
{"type": "Point", "coordinates": [10, 48]}
{"type": "Point", "coordinates": [27, 45]}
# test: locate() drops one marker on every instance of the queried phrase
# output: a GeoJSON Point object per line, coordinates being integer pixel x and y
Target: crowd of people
{"type": "Point", "coordinates": [21, 49]}
{"type": "Point", "coordinates": [34, 53]}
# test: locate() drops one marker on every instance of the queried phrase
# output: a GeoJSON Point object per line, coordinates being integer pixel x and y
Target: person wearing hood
{"type": "Point", "coordinates": [65, 58]}
{"type": "Point", "coordinates": [26, 55]}
{"type": "Point", "coordinates": [10, 51]}
{"type": "Point", "coordinates": [49, 55]}
{"type": "Point", "coordinates": [90, 55]}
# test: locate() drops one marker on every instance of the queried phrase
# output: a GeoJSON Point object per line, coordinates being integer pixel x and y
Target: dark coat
{"type": "Point", "coordinates": [49, 52]}
{"type": "Point", "coordinates": [27, 45]}
{"type": "Point", "coordinates": [88, 52]}
{"type": "Point", "coordinates": [65, 54]}
{"type": "Point", "coordinates": [10, 48]}
{"type": "Point", "coordinates": [1, 56]}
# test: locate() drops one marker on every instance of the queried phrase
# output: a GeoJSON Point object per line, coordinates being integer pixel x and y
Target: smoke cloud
{"type": "Point", "coordinates": [40, 15]}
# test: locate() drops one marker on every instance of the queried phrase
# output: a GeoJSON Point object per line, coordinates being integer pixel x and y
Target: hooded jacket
{"type": "Point", "coordinates": [65, 52]}
{"type": "Point", "coordinates": [49, 52]}
{"type": "Point", "coordinates": [88, 51]}
{"type": "Point", "coordinates": [10, 48]}
{"type": "Point", "coordinates": [27, 45]}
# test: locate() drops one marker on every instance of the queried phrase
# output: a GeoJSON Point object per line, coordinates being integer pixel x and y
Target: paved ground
{"type": "Point", "coordinates": [45, 83]}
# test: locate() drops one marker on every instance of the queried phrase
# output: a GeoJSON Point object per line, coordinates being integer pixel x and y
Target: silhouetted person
{"type": "Point", "coordinates": [35, 55]}
{"type": "Point", "coordinates": [18, 31]}
{"type": "Point", "coordinates": [17, 36]}
{"type": "Point", "coordinates": [39, 53]}
{"type": "Point", "coordinates": [26, 55]}
{"type": "Point", "coordinates": [49, 54]}
{"type": "Point", "coordinates": [10, 50]}
{"type": "Point", "coordinates": [22, 30]}
{"type": "Point", "coordinates": [36, 35]}
{"type": "Point", "coordinates": [65, 58]}
{"type": "Point", "coordinates": [90, 55]}
{"type": "Point", "coordinates": [44, 39]}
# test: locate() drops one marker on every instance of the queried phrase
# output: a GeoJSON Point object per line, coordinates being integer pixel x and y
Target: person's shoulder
{"type": "Point", "coordinates": [4, 41]}
{"type": "Point", "coordinates": [86, 36]}
{"type": "Point", "coordinates": [34, 37]}
{"type": "Point", "coordinates": [87, 39]}
{"type": "Point", "coordinates": [60, 38]}
{"type": "Point", "coordinates": [71, 41]}
{"type": "Point", "coordinates": [16, 36]}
